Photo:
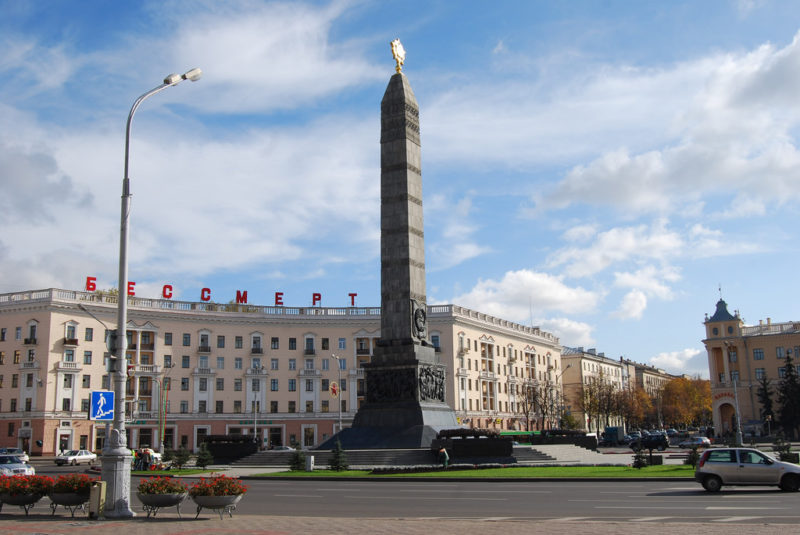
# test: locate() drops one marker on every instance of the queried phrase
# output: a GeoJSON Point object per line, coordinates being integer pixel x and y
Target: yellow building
{"type": "Point", "coordinates": [200, 368]}
{"type": "Point", "coordinates": [738, 357]}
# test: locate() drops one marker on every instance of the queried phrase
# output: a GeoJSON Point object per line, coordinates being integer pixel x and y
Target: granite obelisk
{"type": "Point", "coordinates": [406, 382]}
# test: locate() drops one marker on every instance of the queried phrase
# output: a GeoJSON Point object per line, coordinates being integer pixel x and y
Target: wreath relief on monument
{"type": "Point", "coordinates": [431, 383]}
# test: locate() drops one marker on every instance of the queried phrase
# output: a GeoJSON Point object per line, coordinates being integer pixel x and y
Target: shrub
{"type": "Point", "coordinates": [640, 459]}
{"type": "Point", "coordinates": [338, 460]}
{"type": "Point", "coordinates": [162, 485]}
{"type": "Point", "coordinates": [298, 460]}
{"type": "Point", "coordinates": [181, 457]}
{"type": "Point", "coordinates": [73, 484]}
{"type": "Point", "coordinates": [217, 486]}
{"type": "Point", "coordinates": [204, 457]}
{"type": "Point", "coordinates": [17, 485]}
{"type": "Point", "coordinates": [693, 458]}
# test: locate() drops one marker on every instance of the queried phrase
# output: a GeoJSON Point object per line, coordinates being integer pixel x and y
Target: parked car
{"type": "Point", "coordinates": [11, 465]}
{"type": "Point", "coordinates": [656, 441]}
{"type": "Point", "coordinates": [695, 442]}
{"type": "Point", "coordinates": [744, 466]}
{"type": "Point", "coordinates": [17, 452]}
{"type": "Point", "coordinates": [672, 432]}
{"type": "Point", "coordinates": [74, 457]}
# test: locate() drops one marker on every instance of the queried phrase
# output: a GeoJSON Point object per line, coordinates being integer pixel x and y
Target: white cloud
{"type": "Point", "coordinates": [632, 305]}
{"type": "Point", "coordinates": [689, 361]}
{"type": "Point", "coordinates": [649, 280]}
{"type": "Point", "coordinates": [519, 293]}
{"type": "Point", "coordinates": [454, 244]}
{"type": "Point", "coordinates": [569, 332]}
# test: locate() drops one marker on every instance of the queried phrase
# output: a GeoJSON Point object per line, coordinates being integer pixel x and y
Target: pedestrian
{"type": "Point", "coordinates": [443, 457]}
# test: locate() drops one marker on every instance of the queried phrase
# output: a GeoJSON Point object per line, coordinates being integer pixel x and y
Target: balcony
{"type": "Point", "coordinates": [310, 351]}
{"type": "Point", "coordinates": [29, 365]}
{"type": "Point", "coordinates": [487, 376]}
{"type": "Point", "coordinates": [29, 341]}
{"type": "Point", "coordinates": [461, 372]}
{"type": "Point", "coordinates": [148, 347]}
{"type": "Point", "coordinates": [67, 366]}
{"type": "Point", "coordinates": [70, 341]}
{"type": "Point", "coordinates": [203, 371]}
{"type": "Point", "coordinates": [145, 415]}
{"type": "Point", "coordinates": [259, 372]}
{"type": "Point", "coordinates": [309, 373]}
{"type": "Point", "coordinates": [204, 349]}
{"type": "Point", "coordinates": [257, 350]}
{"type": "Point", "coordinates": [146, 392]}
{"type": "Point", "coordinates": [147, 369]}
{"type": "Point", "coordinates": [363, 351]}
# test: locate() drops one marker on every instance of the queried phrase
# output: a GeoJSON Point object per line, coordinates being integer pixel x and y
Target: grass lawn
{"type": "Point", "coordinates": [183, 472]}
{"type": "Point", "coordinates": [670, 470]}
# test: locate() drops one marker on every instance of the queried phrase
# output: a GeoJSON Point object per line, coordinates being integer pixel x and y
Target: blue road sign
{"type": "Point", "coordinates": [101, 406]}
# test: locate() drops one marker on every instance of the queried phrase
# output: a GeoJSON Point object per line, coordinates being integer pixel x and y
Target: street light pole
{"type": "Point", "coordinates": [116, 457]}
{"type": "Point", "coordinates": [339, 400]}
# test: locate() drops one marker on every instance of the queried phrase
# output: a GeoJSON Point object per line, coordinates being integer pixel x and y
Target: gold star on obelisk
{"type": "Point", "coordinates": [399, 54]}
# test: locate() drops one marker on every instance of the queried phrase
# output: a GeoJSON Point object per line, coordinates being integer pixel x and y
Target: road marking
{"type": "Point", "coordinates": [394, 497]}
{"type": "Point", "coordinates": [737, 518]}
{"type": "Point", "coordinates": [298, 496]}
{"type": "Point", "coordinates": [649, 518]}
{"type": "Point", "coordinates": [719, 508]}
{"type": "Point", "coordinates": [570, 519]}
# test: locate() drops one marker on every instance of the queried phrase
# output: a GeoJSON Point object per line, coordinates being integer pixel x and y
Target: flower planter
{"type": "Point", "coordinates": [221, 504]}
{"type": "Point", "coordinates": [70, 500]}
{"type": "Point", "coordinates": [26, 501]}
{"type": "Point", "coordinates": [151, 503]}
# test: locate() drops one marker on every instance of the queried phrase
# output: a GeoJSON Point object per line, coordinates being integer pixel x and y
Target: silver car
{"type": "Point", "coordinates": [11, 465]}
{"type": "Point", "coordinates": [744, 466]}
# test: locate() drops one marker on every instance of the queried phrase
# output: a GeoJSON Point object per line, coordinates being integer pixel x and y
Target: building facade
{"type": "Point", "coordinates": [582, 369]}
{"type": "Point", "coordinates": [739, 357]}
{"type": "Point", "coordinates": [200, 368]}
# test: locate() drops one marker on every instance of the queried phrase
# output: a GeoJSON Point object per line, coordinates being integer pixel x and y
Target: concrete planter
{"type": "Point", "coordinates": [26, 501]}
{"type": "Point", "coordinates": [220, 504]}
{"type": "Point", "coordinates": [151, 503]}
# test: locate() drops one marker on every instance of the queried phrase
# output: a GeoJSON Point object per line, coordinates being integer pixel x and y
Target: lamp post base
{"type": "Point", "coordinates": [116, 472]}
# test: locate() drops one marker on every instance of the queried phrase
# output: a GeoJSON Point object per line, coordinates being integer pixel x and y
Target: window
{"type": "Point", "coordinates": [782, 372]}
{"type": "Point", "coordinates": [29, 380]}
{"type": "Point", "coordinates": [326, 364]}
{"type": "Point", "coordinates": [237, 363]}
{"type": "Point", "coordinates": [758, 354]}
{"type": "Point", "coordinates": [3, 337]}
{"type": "Point", "coordinates": [184, 383]}
{"type": "Point", "coordinates": [167, 339]}
{"type": "Point", "coordinates": [735, 375]}
{"type": "Point", "coordinates": [325, 385]}
{"type": "Point", "coordinates": [292, 343]}
{"type": "Point", "coordinates": [85, 405]}
{"type": "Point", "coordinates": [309, 364]}
{"type": "Point", "coordinates": [184, 407]}
{"type": "Point", "coordinates": [2, 357]}
{"type": "Point", "coordinates": [168, 361]}
{"type": "Point", "coordinates": [18, 333]}
{"type": "Point", "coordinates": [185, 361]}
{"type": "Point", "coordinates": [69, 355]}
{"type": "Point", "coordinates": [68, 381]}
{"type": "Point", "coordinates": [292, 407]}
{"type": "Point", "coordinates": [220, 363]}
{"type": "Point", "coordinates": [780, 353]}
{"type": "Point", "coordinates": [237, 406]}
{"type": "Point", "coordinates": [309, 385]}
{"type": "Point", "coordinates": [292, 385]}
{"type": "Point", "coordinates": [721, 456]}
{"type": "Point", "coordinates": [238, 342]}
{"type": "Point", "coordinates": [88, 335]}
{"type": "Point", "coordinates": [435, 340]}
{"type": "Point", "coordinates": [219, 407]}
{"type": "Point", "coordinates": [187, 339]}
{"type": "Point", "coordinates": [203, 384]}
{"type": "Point", "coordinates": [325, 344]}
{"type": "Point", "coordinates": [167, 383]}
{"type": "Point", "coordinates": [87, 357]}
{"type": "Point", "coordinates": [16, 357]}
{"type": "Point", "coordinates": [273, 385]}
{"type": "Point", "coordinates": [256, 342]}
{"type": "Point", "coordinates": [342, 343]}
{"type": "Point", "coordinates": [105, 382]}
{"type": "Point", "coordinates": [237, 385]}
{"type": "Point", "coordinates": [13, 405]}
{"type": "Point", "coordinates": [66, 404]}
{"type": "Point", "coordinates": [204, 343]}
{"type": "Point", "coordinates": [343, 386]}
{"type": "Point", "coordinates": [273, 406]}
{"type": "Point", "coordinates": [255, 385]}
{"type": "Point", "coordinates": [309, 406]}
{"type": "Point", "coordinates": [342, 363]}
{"type": "Point", "coordinates": [324, 405]}
{"type": "Point", "coordinates": [760, 373]}
{"type": "Point", "coordinates": [309, 345]}
{"type": "Point", "coordinates": [202, 406]}
{"type": "Point", "coordinates": [202, 362]}
{"type": "Point", "coordinates": [86, 382]}
{"type": "Point", "coordinates": [220, 384]}
{"type": "Point", "coordinates": [220, 341]}
{"type": "Point", "coordinates": [273, 364]}
{"type": "Point", "coordinates": [292, 364]}
{"type": "Point", "coordinates": [273, 344]}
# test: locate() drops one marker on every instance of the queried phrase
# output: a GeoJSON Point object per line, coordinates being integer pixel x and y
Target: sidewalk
{"type": "Point", "coordinates": [279, 525]}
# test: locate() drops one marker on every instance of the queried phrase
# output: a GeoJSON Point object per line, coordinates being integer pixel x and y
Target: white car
{"type": "Point", "coordinates": [16, 452]}
{"type": "Point", "coordinates": [11, 465]}
{"type": "Point", "coordinates": [74, 457]}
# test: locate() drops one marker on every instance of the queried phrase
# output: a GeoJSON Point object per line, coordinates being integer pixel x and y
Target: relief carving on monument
{"type": "Point", "coordinates": [390, 385]}
{"type": "Point", "coordinates": [419, 320]}
{"type": "Point", "coordinates": [431, 383]}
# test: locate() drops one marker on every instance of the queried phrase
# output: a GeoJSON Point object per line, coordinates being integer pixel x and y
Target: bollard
{"type": "Point", "coordinates": [309, 463]}
{"type": "Point", "coordinates": [97, 499]}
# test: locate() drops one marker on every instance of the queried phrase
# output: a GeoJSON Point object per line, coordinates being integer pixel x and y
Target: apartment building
{"type": "Point", "coordinates": [583, 368]}
{"type": "Point", "coordinates": [201, 368]}
{"type": "Point", "coordinates": [739, 357]}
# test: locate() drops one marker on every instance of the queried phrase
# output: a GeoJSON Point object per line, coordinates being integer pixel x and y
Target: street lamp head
{"type": "Point", "coordinates": [172, 79]}
{"type": "Point", "coordinates": [192, 75]}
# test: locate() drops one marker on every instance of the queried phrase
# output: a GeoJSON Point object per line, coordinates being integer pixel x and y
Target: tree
{"type": "Point", "coordinates": [686, 401]}
{"type": "Point", "coordinates": [764, 394]}
{"type": "Point", "coordinates": [789, 399]}
{"type": "Point", "coordinates": [298, 460]}
{"type": "Point", "coordinates": [527, 401]}
{"type": "Point", "coordinates": [338, 460]}
{"type": "Point", "coordinates": [204, 457]}
{"type": "Point", "coordinates": [181, 457]}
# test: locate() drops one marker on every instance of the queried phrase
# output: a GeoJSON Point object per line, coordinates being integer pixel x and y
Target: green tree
{"type": "Point", "coordinates": [789, 399]}
{"type": "Point", "coordinates": [338, 460]}
{"type": "Point", "coordinates": [764, 393]}
{"type": "Point", "coordinates": [180, 457]}
{"type": "Point", "coordinates": [204, 457]}
{"type": "Point", "coordinates": [298, 460]}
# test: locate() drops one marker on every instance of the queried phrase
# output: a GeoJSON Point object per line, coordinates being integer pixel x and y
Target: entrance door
{"type": "Point", "coordinates": [275, 437]}
{"type": "Point", "coordinates": [63, 443]}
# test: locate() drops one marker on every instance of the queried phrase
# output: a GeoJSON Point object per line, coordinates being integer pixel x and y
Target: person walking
{"type": "Point", "coordinates": [444, 458]}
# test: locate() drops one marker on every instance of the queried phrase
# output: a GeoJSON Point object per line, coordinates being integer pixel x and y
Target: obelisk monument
{"type": "Point", "coordinates": [406, 382]}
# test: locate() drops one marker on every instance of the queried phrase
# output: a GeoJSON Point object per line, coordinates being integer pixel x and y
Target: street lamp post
{"type": "Point", "coordinates": [162, 406]}
{"type": "Point", "coordinates": [339, 400]}
{"type": "Point", "coordinates": [116, 457]}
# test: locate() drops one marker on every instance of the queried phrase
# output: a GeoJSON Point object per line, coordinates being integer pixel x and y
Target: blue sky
{"type": "Point", "coordinates": [598, 169]}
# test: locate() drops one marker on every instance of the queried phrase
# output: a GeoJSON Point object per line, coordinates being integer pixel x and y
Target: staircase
{"type": "Point", "coordinates": [355, 458]}
{"type": "Point", "coordinates": [567, 454]}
